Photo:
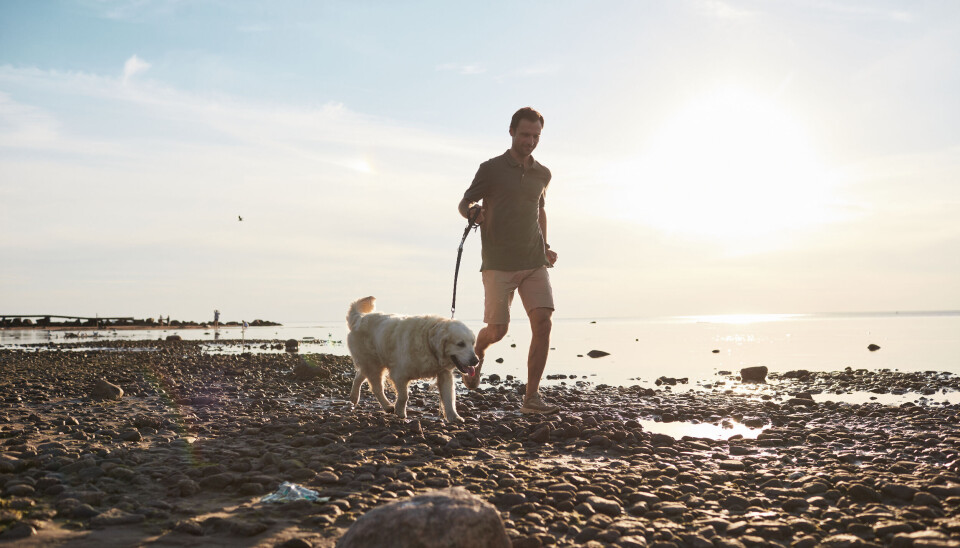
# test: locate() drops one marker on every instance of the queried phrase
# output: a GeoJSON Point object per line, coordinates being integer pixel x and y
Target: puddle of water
{"type": "Point", "coordinates": [306, 347]}
{"type": "Point", "coordinates": [723, 431]}
{"type": "Point", "coordinates": [940, 398]}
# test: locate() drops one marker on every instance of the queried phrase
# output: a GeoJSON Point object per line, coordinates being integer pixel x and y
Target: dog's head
{"type": "Point", "coordinates": [453, 342]}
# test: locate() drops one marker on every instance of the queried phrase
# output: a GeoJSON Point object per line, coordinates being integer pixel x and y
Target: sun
{"type": "Point", "coordinates": [731, 167]}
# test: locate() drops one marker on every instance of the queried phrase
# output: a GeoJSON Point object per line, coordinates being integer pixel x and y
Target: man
{"type": "Point", "coordinates": [507, 197]}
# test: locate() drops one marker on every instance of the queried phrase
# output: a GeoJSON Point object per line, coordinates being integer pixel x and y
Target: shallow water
{"type": "Point", "coordinates": [642, 350]}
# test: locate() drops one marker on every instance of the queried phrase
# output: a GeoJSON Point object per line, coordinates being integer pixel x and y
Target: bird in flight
{"type": "Point", "coordinates": [239, 218]}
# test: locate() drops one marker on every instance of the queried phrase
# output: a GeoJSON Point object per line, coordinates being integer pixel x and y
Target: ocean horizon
{"type": "Point", "coordinates": [641, 350]}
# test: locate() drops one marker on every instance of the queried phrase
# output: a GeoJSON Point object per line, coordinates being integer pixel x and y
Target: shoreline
{"type": "Point", "coordinates": [185, 454]}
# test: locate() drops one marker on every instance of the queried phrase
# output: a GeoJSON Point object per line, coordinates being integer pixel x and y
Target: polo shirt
{"type": "Point", "coordinates": [511, 198]}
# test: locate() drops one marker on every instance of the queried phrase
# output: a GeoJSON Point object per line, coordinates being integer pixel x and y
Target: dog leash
{"type": "Point", "coordinates": [474, 211]}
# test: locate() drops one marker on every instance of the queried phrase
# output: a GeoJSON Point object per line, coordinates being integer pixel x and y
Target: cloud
{"type": "Point", "coordinates": [721, 10]}
{"type": "Point", "coordinates": [461, 68]}
{"type": "Point", "coordinates": [25, 126]}
{"type": "Point", "coordinates": [133, 66]}
{"type": "Point", "coordinates": [867, 11]}
{"type": "Point", "coordinates": [131, 10]}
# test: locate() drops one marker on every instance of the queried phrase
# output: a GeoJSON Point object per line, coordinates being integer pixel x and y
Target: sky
{"type": "Point", "coordinates": [708, 156]}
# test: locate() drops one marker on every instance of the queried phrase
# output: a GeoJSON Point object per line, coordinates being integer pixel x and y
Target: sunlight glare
{"type": "Point", "coordinates": [732, 168]}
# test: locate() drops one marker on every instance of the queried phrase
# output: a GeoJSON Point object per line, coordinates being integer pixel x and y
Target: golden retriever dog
{"type": "Point", "coordinates": [407, 348]}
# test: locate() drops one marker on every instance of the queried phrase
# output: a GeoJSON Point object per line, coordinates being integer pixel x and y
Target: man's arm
{"type": "Point", "coordinates": [465, 205]}
{"type": "Point", "coordinates": [473, 195]}
{"type": "Point", "coordinates": [542, 221]}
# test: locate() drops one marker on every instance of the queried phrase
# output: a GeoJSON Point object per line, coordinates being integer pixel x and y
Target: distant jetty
{"type": "Point", "coordinates": [54, 322]}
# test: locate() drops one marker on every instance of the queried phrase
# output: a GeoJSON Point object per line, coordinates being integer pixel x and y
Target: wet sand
{"type": "Point", "coordinates": [183, 457]}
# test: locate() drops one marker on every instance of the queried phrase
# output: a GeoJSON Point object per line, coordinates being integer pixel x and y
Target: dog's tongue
{"type": "Point", "coordinates": [471, 370]}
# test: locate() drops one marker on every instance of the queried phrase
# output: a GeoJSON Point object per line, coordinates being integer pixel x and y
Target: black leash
{"type": "Point", "coordinates": [466, 232]}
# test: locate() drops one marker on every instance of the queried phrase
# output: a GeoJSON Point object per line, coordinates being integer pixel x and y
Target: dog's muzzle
{"type": "Point", "coordinates": [468, 368]}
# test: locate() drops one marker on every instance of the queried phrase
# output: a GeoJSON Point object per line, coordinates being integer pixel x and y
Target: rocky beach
{"type": "Point", "coordinates": [130, 443]}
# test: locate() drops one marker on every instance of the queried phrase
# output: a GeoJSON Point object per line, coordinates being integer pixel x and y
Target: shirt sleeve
{"type": "Point", "coordinates": [478, 188]}
{"type": "Point", "coordinates": [543, 195]}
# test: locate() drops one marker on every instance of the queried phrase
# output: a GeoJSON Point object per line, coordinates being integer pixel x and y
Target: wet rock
{"type": "Point", "coordinates": [605, 506]}
{"type": "Point", "coordinates": [131, 435]}
{"type": "Point", "coordinates": [846, 541]}
{"type": "Point", "coordinates": [306, 371]}
{"type": "Point", "coordinates": [114, 517]}
{"type": "Point", "coordinates": [597, 353]}
{"type": "Point", "coordinates": [292, 345]}
{"type": "Point", "coordinates": [104, 390]}
{"type": "Point", "coordinates": [925, 539]}
{"type": "Point", "coordinates": [541, 434]}
{"type": "Point", "coordinates": [756, 374]}
{"type": "Point", "coordinates": [246, 528]}
{"type": "Point", "coordinates": [467, 520]}
{"type": "Point", "coordinates": [189, 527]}
{"type": "Point", "coordinates": [873, 348]}
{"type": "Point", "coordinates": [17, 531]}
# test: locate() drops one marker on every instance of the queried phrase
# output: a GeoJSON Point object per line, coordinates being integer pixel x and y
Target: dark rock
{"type": "Point", "coordinates": [114, 517]}
{"type": "Point", "coordinates": [757, 374]}
{"type": "Point", "coordinates": [845, 541]}
{"type": "Point", "coordinates": [83, 511]}
{"type": "Point", "coordinates": [295, 543]}
{"type": "Point", "coordinates": [189, 527]}
{"type": "Point", "coordinates": [246, 528]}
{"type": "Point", "coordinates": [17, 531]}
{"type": "Point", "coordinates": [292, 345]}
{"type": "Point", "coordinates": [104, 390]}
{"type": "Point", "coordinates": [468, 522]}
{"type": "Point", "coordinates": [597, 353]}
{"type": "Point", "coordinates": [873, 348]}
{"type": "Point", "coordinates": [541, 434]}
{"type": "Point", "coordinates": [131, 435]}
{"type": "Point", "coordinates": [306, 370]}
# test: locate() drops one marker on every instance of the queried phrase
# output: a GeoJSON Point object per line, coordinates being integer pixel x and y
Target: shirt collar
{"type": "Point", "coordinates": [514, 163]}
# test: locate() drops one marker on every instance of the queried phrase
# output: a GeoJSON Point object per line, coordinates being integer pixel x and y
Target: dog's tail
{"type": "Point", "coordinates": [358, 308]}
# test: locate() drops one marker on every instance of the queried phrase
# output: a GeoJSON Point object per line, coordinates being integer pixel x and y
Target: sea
{"type": "Point", "coordinates": [702, 350]}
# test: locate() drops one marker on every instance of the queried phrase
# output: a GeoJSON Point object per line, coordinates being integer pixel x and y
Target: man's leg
{"type": "Point", "coordinates": [541, 323]}
{"type": "Point", "coordinates": [488, 335]}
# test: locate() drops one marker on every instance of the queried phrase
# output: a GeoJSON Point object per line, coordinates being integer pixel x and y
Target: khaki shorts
{"type": "Point", "coordinates": [499, 286]}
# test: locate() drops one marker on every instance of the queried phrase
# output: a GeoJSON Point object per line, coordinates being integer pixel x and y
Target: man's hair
{"type": "Point", "coordinates": [526, 113]}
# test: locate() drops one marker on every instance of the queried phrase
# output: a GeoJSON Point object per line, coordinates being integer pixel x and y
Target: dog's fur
{"type": "Point", "coordinates": [407, 348]}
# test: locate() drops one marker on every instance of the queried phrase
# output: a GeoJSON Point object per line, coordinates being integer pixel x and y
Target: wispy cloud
{"type": "Point", "coordinates": [721, 10]}
{"type": "Point", "coordinates": [130, 9]}
{"type": "Point", "coordinates": [866, 10]}
{"type": "Point", "coordinates": [134, 66]}
{"type": "Point", "coordinates": [25, 126]}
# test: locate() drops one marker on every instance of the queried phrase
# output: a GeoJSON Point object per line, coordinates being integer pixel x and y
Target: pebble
{"type": "Point", "coordinates": [226, 429]}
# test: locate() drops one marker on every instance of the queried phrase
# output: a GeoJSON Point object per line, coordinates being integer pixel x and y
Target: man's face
{"type": "Point", "coordinates": [525, 137]}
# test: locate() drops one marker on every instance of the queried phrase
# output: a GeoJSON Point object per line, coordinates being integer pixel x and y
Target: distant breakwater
{"type": "Point", "coordinates": [40, 321]}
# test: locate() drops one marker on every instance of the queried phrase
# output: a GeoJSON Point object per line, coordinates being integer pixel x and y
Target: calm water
{"type": "Point", "coordinates": [641, 350]}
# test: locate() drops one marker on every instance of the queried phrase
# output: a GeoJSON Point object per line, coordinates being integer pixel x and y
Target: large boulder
{"type": "Point", "coordinates": [754, 374]}
{"type": "Point", "coordinates": [104, 390]}
{"type": "Point", "coordinates": [447, 517]}
{"type": "Point", "coordinates": [292, 345]}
